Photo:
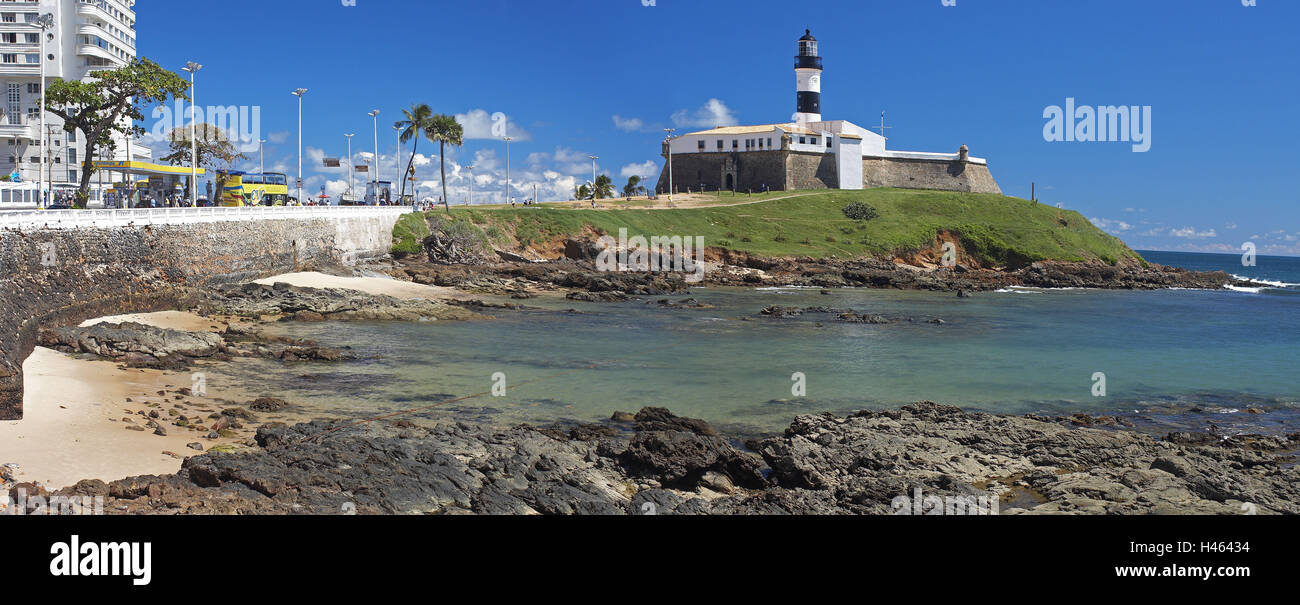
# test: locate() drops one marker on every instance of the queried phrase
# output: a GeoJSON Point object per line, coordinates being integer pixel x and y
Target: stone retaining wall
{"type": "Point", "coordinates": [63, 276]}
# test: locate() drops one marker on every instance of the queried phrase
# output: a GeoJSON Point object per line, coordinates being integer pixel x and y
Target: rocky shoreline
{"type": "Point", "coordinates": [576, 275]}
{"type": "Point", "coordinates": [656, 463]}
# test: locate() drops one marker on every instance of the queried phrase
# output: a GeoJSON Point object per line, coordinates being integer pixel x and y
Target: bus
{"type": "Point", "coordinates": [248, 189]}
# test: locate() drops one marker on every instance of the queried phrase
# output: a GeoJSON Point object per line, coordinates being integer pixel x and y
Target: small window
{"type": "Point", "coordinates": [803, 140]}
{"type": "Point", "coordinates": [735, 144]}
{"type": "Point", "coordinates": [828, 142]}
{"type": "Point", "coordinates": [701, 145]}
{"type": "Point", "coordinates": [719, 144]}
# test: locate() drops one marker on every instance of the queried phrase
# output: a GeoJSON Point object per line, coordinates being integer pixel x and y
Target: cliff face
{"type": "Point", "coordinates": [57, 277]}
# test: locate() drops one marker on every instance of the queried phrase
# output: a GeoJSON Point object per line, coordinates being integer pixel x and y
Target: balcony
{"type": "Point", "coordinates": [90, 50]}
{"type": "Point", "coordinates": [94, 10]}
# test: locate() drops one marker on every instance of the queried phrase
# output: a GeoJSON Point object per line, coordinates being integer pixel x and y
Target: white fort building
{"type": "Point", "coordinates": [811, 152]}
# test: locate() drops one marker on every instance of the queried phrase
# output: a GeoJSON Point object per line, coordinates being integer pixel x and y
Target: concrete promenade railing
{"type": "Point", "coordinates": [28, 220]}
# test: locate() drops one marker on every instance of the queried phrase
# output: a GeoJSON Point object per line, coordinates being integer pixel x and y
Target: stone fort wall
{"type": "Point", "coordinates": [928, 174]}
{"type": "Point", "coordinates": [790, 170]}
{"type": "Point", "coordinates": [56, 277]}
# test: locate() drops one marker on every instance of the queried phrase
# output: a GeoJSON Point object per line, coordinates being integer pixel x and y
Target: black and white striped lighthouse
{"type": "Point", "coordinates": [808, 71]}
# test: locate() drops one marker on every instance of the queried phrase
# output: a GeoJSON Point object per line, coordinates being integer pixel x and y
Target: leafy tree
{"type": "Point", "coordinates": [444, 130]}
{"type": "Point", "coordinates": [413, 127]}
{"type": "Point", "coordinates": [582, 192]}
{"type": "Point", "coordinates": [110, 103]}
{"type": "Point", "coordinates": [215, 151]}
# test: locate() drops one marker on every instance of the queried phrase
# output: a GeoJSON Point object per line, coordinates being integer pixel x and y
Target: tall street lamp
{"type": "Point", "coordinates": [261, 156]}
{"type": "Point", "coordinates": [670, 132]}
{"type": "Point", "coordinates": [593, 177]}
{"type": "Point", "coordinates": [45, 22]}
{"type": "Point", "coordinates": [193, 68]}
{"type": "Point", "coordinates": [470, 202]}
{"type": "Point", "coordinates": [350, 167]}
{"type": "Point", "coordinates": [375, 114]}
{"type": "Point", "coordinates": [508, 139]}
{"type": "Point", "coordinates": [299, 93]}
{"type": "Point", "coordinates": [397, 156]}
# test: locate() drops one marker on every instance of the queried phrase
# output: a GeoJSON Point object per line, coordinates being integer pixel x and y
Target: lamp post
{"type": "Point", "coordinates": [375, 114]}
{"type": "Point", "coordinates": [350, 167]}
{"type": "Point", "coordinates": [261, 156]}
{"type": "Point", "coordinates": [508, 139]}
{"type": "Point", "coordinates": [44, 22]}
{"type": "Point", "coordinates": [299, 93]}
{"type": "Point", "coordinates": [193, 68]}
{"type": "Point", "coordinates": [670, 132]}
{"type": "Point", "coordinates": [593, 177]}
{"type": "Point", "coordinates": [470, 201]}
{"type": "Point", "coordinates": [397, 155]}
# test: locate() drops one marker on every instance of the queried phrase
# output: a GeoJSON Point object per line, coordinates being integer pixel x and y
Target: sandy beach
{"type": "Point", "coordinates": [370, 285]}
{"type": "Point", "coordinates": [76, 411]}
{"type": "Point", "coordinates": [73, 426]}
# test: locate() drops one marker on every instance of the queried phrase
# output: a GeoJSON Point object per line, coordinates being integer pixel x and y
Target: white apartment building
{"type": "Point", "coordinates": [88, 35]}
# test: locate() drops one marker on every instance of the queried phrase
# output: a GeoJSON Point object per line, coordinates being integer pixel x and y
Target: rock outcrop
{"type": "Point", "coordinates": [659, 463]}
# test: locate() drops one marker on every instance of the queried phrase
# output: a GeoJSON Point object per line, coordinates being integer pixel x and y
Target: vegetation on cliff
{"type": "Point", "coordinates": [995, 230]}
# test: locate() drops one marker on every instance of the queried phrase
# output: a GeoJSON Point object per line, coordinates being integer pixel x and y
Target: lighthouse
{"type": "Point", "coordinates": [808, 72]}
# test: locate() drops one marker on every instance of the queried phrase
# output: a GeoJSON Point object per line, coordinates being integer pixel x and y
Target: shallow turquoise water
{"type": "Point", "coordinates": [1016, 352]}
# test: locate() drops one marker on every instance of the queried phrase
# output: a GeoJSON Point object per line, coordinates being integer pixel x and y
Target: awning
{"type": "Point", "coordinates": [145, 168]}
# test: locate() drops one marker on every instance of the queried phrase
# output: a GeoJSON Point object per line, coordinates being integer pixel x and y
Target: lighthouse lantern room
{"type": "Point", "coordinates": [808, 71]}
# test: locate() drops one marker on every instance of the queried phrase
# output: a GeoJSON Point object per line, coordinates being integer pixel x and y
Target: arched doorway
{"type": "Point", "coordinates": [731, 182]}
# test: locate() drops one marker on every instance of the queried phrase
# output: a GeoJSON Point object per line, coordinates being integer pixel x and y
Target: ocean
{"type": "Point", "coordinates": [1159, 354]}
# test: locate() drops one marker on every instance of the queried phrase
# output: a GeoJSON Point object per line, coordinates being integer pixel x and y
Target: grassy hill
{"type": "Point", "coordinates": [997, 230]}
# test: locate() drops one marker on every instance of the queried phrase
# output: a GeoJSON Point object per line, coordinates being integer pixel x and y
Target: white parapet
{"type": "Point", "coordinates": [28, 220]}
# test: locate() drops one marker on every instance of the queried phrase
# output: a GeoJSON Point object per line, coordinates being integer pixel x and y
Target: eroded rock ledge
{"type": "Point", "coordinates": [654, 461]}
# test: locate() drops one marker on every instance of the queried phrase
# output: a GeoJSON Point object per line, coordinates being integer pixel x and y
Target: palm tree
{"type": "Point", "coordinates": [415, 124]}
{"type": "Point", "coordinates": [633, 186]}
{"type": "Point", "coordinates": [603, 187]}
{"type": "Point", "coordinates": [443, 129]}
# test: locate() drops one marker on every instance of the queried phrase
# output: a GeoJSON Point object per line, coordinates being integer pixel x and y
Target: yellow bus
{"type": "Point", "coordinates": [245, 189]}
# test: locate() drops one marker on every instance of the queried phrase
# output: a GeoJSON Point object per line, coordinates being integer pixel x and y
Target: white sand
{"type": "Point", "coordinates": [369, 285]}
{"type": "Point", "coordinates": [72, 426]}
{"type": "Point", "coordinates": [171, 320]}
{"type": "Point", "coordinates": [69, 433]}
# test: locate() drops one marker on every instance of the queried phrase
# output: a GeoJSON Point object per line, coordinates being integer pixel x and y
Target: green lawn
{"type": "Point", "coordinates": [997, 230]}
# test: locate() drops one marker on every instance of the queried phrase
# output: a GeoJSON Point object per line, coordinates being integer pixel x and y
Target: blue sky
{"type": "Point", "coordinates": [604, 77]}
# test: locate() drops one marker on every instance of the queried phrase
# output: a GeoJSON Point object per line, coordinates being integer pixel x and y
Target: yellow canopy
{"type": "Point", "coordinates": [146, 169]}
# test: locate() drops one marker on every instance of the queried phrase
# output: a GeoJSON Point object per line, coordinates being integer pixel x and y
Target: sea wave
{"type": "Point", "coordinates": [1269, 282]}
{"type": "Point", "coordinates": [1246, 289]}
{"type": "Point", "coordinates": [1032, 290]}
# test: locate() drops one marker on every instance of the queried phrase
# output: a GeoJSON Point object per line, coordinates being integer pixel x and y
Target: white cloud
{"type": "Point", "coordinates": [628, 124]}
{"type": "Point", "coordinates": [480, 124]}
{"type": "Point", "coordinates": [1191, 232]}
{"type": "Point", "coordinates": [713, 113]}
{"type": "Point", "coordinates": [278, 138]}
{"type": "Point", "coordinates": [647, 169]}
{"type": "Point", "coordinates": [1111, 225]}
